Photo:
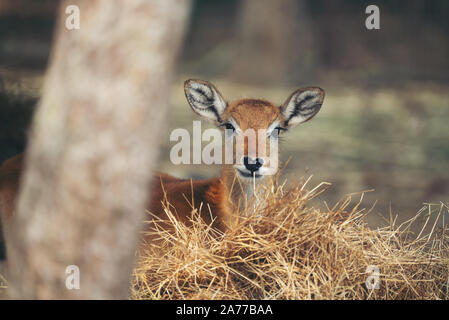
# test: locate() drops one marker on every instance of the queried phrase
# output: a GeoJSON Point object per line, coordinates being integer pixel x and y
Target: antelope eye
{"type": "Point", "coordinates": [228, 126]}
{"type": "Point", "coordinates": [276, 131]}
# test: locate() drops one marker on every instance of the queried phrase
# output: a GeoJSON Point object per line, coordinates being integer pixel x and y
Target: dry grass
{"type": "Point", "coordinates": [289, 249]}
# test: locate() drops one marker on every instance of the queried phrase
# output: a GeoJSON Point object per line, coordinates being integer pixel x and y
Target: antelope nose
{"type": "Point", "coordinates": [252, 164]}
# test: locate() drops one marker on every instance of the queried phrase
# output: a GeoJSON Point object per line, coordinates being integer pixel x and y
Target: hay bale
{"type": "Point", "coordinates": [288, 249]}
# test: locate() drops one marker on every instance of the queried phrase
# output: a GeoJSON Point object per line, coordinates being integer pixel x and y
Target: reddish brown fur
{"type": "Point", "coordinates": [254, 114]}
{"type": "Point", "coordinates": [208, 195]}
{"type": "Point", "coordinates": [10, 172]}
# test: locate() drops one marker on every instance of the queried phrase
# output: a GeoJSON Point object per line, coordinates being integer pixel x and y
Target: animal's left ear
{"type": "Point", "coordinates": [302, 105]}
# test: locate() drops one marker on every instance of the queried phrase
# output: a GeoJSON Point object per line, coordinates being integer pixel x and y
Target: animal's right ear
{"type": "Point", "coordinates": [205, 99]}
{"type": "Point", "coordinates": [302, 105]}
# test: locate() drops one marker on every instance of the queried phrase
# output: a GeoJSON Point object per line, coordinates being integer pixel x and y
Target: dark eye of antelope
{"type": "Point", "coordinates": [276, 131]}
{"type": "Point", "coordinates": [228, 126]}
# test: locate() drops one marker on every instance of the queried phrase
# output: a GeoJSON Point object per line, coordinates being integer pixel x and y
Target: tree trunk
{"type": "Point", "coordinates": [93, 142]}
{"type": "Point", "coordinates": [273, 42]}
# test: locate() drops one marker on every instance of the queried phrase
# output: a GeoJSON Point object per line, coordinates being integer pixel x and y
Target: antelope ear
{"type": "Point", "coordinates": [302, 105]}
{"type": "Point", "coordinates": [205, 99]}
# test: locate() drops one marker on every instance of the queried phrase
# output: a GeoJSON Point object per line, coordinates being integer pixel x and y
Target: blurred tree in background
{"type": "Point", "coordinates": [274, 42]}
{"type": "Point", "coordinates": [268, 41]}
{"type": "Point", "coordinates": [302, 41]}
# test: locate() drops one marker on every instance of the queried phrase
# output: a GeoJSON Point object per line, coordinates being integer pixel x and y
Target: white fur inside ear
{"type": "Point", "coordinates": [205, 100]}
{"type": "Point", "coordinates": [302, 106]}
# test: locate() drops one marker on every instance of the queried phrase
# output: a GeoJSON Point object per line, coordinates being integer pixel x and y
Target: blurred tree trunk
{"type": "Point", "coordinates": [93, 141]}
{"type": "Point", "coordinates": [273, 42]}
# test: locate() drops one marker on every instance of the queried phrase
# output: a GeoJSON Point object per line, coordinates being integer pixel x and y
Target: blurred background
{"type": "Point", "coordinates": [384, 122]}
